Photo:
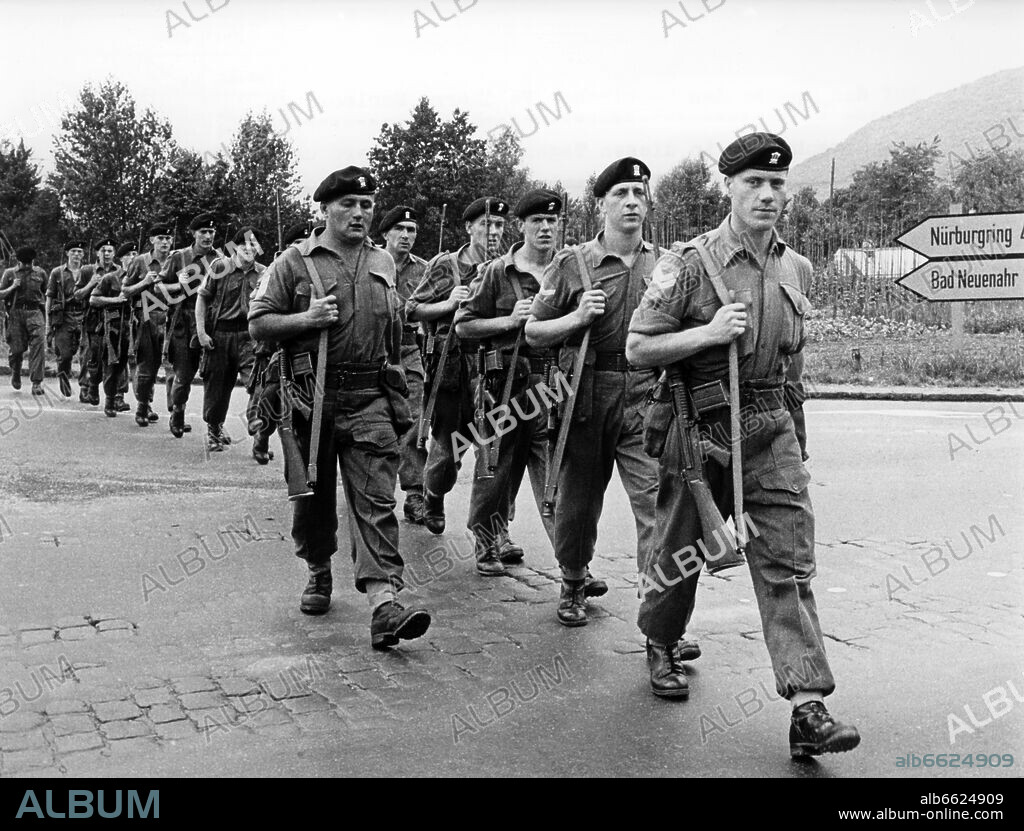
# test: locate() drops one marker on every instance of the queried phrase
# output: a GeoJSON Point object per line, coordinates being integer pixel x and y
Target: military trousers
{"type": "Point", "coordinates": [184, 358]}
{"type": "Point", "coordinates": [610, 435]}
{"type": "Point", "coordinates": [66, 338]}
{"type": "Point", "coordinates": [358, 439]}
{"type": "Point", "coordinates": [522, 448]}
{"type": "Point", "coordinates": [114, 356]}
{"type": "Point", "coordinates": [453, 413]}
{"type": "Point", "coordinates": [232, 355]}
{"type": "Point", "coordinates": [263, 412]}
{"type": "Point", "coordinates": [413, 459]}
{"type": "Point", "coordinates": [149, 346]}
{"type": "Point", "coordinates": [25, 333]}
{"type": "Point", "coordinates": [779, 523]}
{"type": "Point", "coordinates": [95, 360]}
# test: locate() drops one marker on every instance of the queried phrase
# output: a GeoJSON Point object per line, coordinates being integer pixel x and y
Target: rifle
{"type": "Point", "coordinates": [714, 272]}
{"type": "Point", "coordinates": [204, 359]}
{"type": "Point", "coordinates": [277, 201]}
{"type": "Point", "coordinates": [488, 462]}
{"type": "Point", "coordinates": [440, 239]}
{"type": "Point", "coordinates": [652, 224]}
{"type": "Point", "coordinates": [506, 392]}
{"type": "Point", "coordinates": [555, 462]}
{"type": "Point", "coordinates": [565, 221]}
{"type": "Point", "coordinates": [294, 466]}
{"type": "Point", "coordinates": [691, 453]}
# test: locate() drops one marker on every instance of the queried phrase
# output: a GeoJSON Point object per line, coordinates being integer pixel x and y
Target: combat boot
{"type": "Point", "coordinates": [488, 561]}
{"type": "Point", "coordinates": [109, 408]}
{"type": "Point", "coordinates": [141, 415]}
{"type": "Point", "coordinates": [316, 599]}
{"type": "Point", "coordinates": [213, 444]}
{"type": "Point", "coordinates": [572, 603]}
{"type": "Point", "coordinates": [16, 374]}
{"type": "Point", "coordinates": [83, 395]}
{"type": "Point", "coordinates": [414, 508]}
{"type": "Point", "coordinates": [508, 551]}
{"type": "Point", "coordinates": [120, 405]}
{"type": "Point", "coordinates": [668, 680]}
{"type": "Point", "coordinates": [260, 448]}
{"type": "Point", "coordinates": [94, 396]}
{"type": "Point", "coordinates": [393, 622]}
{"type": "Point", "coordinates": [433, 513]}
{"type": "Point", "coordinates": [37, 389]}
{"type": "Point", "coordinates": [177, 423]}
{"type": "Point", "coordinates": [687, 650]}
{"type": "Point", "coordinates": [65, 384]}
{"type": "Point", "coordinates": [813, 731]}
{"type": "Point", "coordinates": [594, 586]}
{"type": "Point", "coordinates": [223, 438]}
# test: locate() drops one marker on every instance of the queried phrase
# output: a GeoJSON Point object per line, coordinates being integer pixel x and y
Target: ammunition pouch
{"type": "Point", "coordinates": [584, 406]}
{"type": "Point", "coordinates": [658, 418]}
{"type": "Point", "coordinates": [709, 398]}
{"type": "Point", "coordinates": [396, 388]}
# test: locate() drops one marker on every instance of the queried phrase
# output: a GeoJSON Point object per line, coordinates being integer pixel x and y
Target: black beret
{"type": "Point", "coordinates": [478, 208]}
{"type": "Point", "coordinates": [203, 221]}
{"type": "Point", "coordinates": [623, 170]}
{"type": "Point", "coordinates": [540, 201]}
{"type": "Point", "coordinates": [760, 151]}
{"type": "Point", "coordinates": [348, 181]}
{"type": "Point", "coordinates": [400, 213]}
{"type": "Point", "coordinates": [239, 238]}
{"type": "Point", "coordinates": [295, 233]}
{"type": "Point", "coordinates": [104, 241]}
{"type": "Point", "coordinates": [75, 243]}
{"type": "Point", "coordinates": [126, 248]}
{"type": "Point", "coordinates": [161, 229]}
{"type": "Point", "coordinates": [26, 254]}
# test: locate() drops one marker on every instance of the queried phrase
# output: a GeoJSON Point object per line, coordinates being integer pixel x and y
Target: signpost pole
{"type": "Point", "coordinates": [958, 310]}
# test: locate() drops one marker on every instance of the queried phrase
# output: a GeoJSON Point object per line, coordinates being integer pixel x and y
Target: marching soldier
{"type": "Point", "coordinates": [113, 345]}
{"type": "Point", "coordinates": [150, 317]}
{"type": "Point", "coordinates": [185, 269]}
{"type": "Point", "coordinates": [65, 313]}
{"type": "Point", "coordinates": [682, 323]}
{"type": "Point", "coordinates": [399, 228]}
{"type": "Point", "coordinates": [444, 286]}
{"type": "Point", "coordinates": [222, 326]}
{"type": "Point", "coordinates": [496, 311]}
{"type": "Point", "coordinates": [263, 412]}
{"type": "Point", "coordinates": [331, 302]}
{"type": "Point", "coordinates": [596, 287]}
{"type": "Point", "coordinates": [23, 290]}
{"type": "Point", "coordinates": [90, 278]}
{"type": "Point", "coordinates": [124, 256]}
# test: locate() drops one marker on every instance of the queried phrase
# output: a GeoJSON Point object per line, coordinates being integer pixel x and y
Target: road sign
{"type": "Point", "coordinates": [945, 281]}
{"type": "Point", "coordinates": [967, 236]}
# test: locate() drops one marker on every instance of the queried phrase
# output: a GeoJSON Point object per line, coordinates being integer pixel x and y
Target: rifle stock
{"type": "Point", "coordinates": [486, 449]}
{"type": "Point", "coordinates": [294, 464]}
{"type": "Point", "coordinates": [690, 451]}
{"type": "Point", "coordinates": [555, 464]}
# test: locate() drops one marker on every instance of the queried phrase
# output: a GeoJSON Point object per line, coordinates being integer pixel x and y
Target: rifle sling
{"type": "Point", "coordinates": [428, 412]}
{"type": "Point", "coordinates": [506, 392]}
{"type": "Point", "coordinates": [321, 376]}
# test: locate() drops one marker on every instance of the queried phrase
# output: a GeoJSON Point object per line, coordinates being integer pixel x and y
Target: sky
{"type": "Point", "coordinates": [650, 78]}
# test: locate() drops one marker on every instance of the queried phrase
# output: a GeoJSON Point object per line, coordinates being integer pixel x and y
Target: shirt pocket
{"type": "Point", "coordinates": [303, 294]}
{"type": "Point", "coordinates": [795, 307]}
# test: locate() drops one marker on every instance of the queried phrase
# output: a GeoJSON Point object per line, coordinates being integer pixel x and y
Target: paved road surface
{"type": "Point", "coordinates": [114, 661]}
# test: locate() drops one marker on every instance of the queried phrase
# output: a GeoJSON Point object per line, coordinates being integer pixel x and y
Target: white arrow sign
{"type": "Point", "coordinates": [966, 236]}
{"type": "Point", "coordinates": [967, 280]}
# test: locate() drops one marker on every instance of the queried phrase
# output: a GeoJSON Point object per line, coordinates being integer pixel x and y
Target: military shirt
{"type": "Point", "coordinates": [138, 269]}
{"type": "Point", "coordinates": [492, 295]}
{"type": "Point", "coordinates": [562, 287]}
{"type": "Point", "coordinates": [408, 277]}
{"type": "Point", "coordinates": [61, 290]}
{"type": "Point", "coordinates": [228, 288]}
{"type": "Point", "coordinates": [189, 266]}
{"type": "Point", "coordinates": [110, 286]}
{"type": "Point", "coordinates": [30, 294]}
{"type": "Point", "coordinates": [439, 279]}
{"type": "Point", "coordinates": [681, 297]}
{"type": "Point", "coordinates": [369, 314]}
{"type": "Point", "coordinates": [93, 316]}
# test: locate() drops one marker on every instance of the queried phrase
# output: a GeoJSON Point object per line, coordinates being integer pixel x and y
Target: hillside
{"type": "Point", "coordinates": [960, 117]}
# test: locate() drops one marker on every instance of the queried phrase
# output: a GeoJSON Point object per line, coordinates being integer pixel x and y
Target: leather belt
{"type": "Point", "coordinates": [763, 398]}
{"type": "Point", "coordinates": [612, 361]}
{"type": "Point", "coordinates": [239, 324]}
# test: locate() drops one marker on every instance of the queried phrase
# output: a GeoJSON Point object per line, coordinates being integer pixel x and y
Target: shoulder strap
{"type": "Point", "coordinates": [713, 269]}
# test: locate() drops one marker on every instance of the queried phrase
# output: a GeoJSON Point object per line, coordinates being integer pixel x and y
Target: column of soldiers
{"type": "Point", "coordinates": [379, 349]}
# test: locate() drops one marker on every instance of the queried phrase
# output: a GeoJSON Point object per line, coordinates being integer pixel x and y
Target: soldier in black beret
{"type": "Point", "coordinates": [92, 275]}
{"type": "Point", "coordinates": [182, 275]}
{"type": "Point", "coordinates": [685, 320]}
{"type": "Point", "coordinates": [399, 228]}
{"type": "Point", "coordinates": [331, 302]}
{"type": "Point", "coordinates": [149, 317]}
{"type": "Point", "coordinates": [444, 286]}
{"type": "Point", "coordinates": [495, 312]}
{"type": "Point", "coordinates": [22, 288]}
{"type": "Point", "coordinates": [110, 345]}
{"type": "Point", "coordinates": [595, 288]}
{"type": "Point", "coordinates": [222, 327]}
{"type": "Point", "coordinates": [65, 313]}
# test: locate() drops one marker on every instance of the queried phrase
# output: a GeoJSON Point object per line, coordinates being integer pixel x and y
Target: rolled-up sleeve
{"type": "Point", "coordinates": [274, 293]}
{"type": "Point", "coordinates": [669, 297]}
{"type": "Point", "coordinates": [559, 289]}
